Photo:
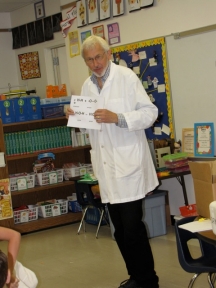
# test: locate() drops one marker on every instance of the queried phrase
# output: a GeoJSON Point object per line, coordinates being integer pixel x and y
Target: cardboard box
{"type": "Point", "coordinates": [204, 179]}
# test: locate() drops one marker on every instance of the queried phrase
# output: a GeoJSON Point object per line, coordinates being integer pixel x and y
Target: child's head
{"type": "Point", "coordinates": [3, 269]}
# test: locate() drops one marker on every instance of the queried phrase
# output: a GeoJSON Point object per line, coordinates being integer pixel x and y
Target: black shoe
{"type": "Point", "coordinates": [130, 283]}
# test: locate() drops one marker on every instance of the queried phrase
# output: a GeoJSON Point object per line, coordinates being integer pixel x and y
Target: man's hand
{"type": "Point", "coordinates": [69, 111]}
{"type": "Point", "coordinates": [105, 116]}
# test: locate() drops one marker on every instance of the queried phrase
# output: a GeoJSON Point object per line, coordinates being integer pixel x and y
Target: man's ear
{"type": "Point", "coordinates": [8, 277]}
{"type": "Point", "coordinates": [109, 54]}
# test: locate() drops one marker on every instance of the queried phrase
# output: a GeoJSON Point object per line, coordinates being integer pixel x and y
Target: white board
{"type": "Point", "coordinates": [192, 69]}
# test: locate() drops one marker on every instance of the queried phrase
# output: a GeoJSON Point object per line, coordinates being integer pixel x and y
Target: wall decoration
{"type": "Point", "coordinates": [134, 5]}
{"type": "Point", "coordinates": [204, 139]}
{"type": "Point", "coordinates": [16, 38]}
{"type": "Point", "coordinates": [85, 35]}
{"type": "Point", "coordinates": [23, 36]}
{"type": "Point", "coordinates": [65, 24]}
{"type": "Point", "coordinates": [56, 20]}
{"type": "Point", "coordinates": [188, 141]}
{"type": "Point", "coordinates": [6, 209]}
{"type": "Point", "coordinates": [39, 31]}
{"type": "Point", "coordinates": [81, 13]}
{"type": "Point", "coordinates": [74, 44]}
{"type": "Point", "coordinates": [99, 31]}
{"type": "Point", "coordinates": [92, 11]}
{"type": "Point", "coordinates": [113, 33]}
{"type": "Point", "coordinates": [29, 65]}
{"type": "Point", "coordinates": [48, 32]}
{"type": "Point", "coordinates": [118, 7]}
{"type": "Point", "coordinates": [31, 33]}
{"type": "Point", "coordinates": [104, 8]}
{"type": "Point", "coordinates": [39, 10]}
{"type": "Point", "coordinates": [148, 60]}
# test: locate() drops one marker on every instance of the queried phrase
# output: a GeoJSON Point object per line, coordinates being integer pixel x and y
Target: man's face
{"type": "Point", "coordinates": [97, 59]}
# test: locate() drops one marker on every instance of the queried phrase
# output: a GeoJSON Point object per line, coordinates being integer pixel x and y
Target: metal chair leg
{"type": "Point", "coordinates": [193, 280]}
{"type": "Point", "coordinates": [82, 222]}
{"type": "Point", "coordinates": [99, 224]}
{"type": "Point", "coordinates": [211, 279]}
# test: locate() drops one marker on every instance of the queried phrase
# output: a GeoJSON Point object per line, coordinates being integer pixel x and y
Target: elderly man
{"type": "Point", "coordinates": [120, 156]}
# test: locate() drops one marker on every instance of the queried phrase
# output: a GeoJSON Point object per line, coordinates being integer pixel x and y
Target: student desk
{"type": "Point", "coordinates": [180, 177]}
{"type": "Point", "coordinates": [207, 236]}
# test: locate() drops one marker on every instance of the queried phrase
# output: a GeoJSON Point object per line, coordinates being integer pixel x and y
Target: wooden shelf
{"type": "Point", "coordinates": [54, 150]}
{"type": "Point", "coordinates": [43, 223]}
{"type": "Point", "coordinates": [23, 163]}
{"type": "Point", "coordinates": [36, 124]}
{"type": "Point", "coordinates": [42, 188]}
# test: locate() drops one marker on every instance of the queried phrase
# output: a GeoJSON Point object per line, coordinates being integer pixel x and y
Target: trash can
{"type": "Point", "coordinates": [154, 214]}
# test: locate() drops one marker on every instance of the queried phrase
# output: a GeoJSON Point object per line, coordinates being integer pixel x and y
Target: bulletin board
{"type": "Point", "coordinates": [148, 60]}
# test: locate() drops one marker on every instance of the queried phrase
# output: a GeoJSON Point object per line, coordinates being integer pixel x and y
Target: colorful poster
{"type": "Point", "coordinates": [81, 13]}
{"type": "Point", "coordinates": [113, 33]}
{"type": "Point", "coordinates": [99, 31]}
{"type": "Point", "coordinates": [74, 44]}
{"type": "Point", "coordinates": [104, 9]}
{"type": "Point", "coordinates": [6, 210]}
{"type": "Point", "coordinates": [92, 11]}
{"type": "Point", "coordinates": [85, 35]}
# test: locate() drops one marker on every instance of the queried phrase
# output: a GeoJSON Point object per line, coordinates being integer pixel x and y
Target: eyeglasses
{"type": "Point", "coordinates": [97, 58]}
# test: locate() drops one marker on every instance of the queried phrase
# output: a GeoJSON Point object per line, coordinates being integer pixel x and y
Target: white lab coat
{"type": "Point", "coordinates": [120, 157]}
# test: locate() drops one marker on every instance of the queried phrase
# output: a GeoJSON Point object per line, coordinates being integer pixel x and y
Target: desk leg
{"type": "Point", "coordinates": [182, 182]}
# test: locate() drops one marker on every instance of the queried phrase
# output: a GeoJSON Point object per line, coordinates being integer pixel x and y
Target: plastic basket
{"type": "Point", "coordinates": [44, 178]}
{"type": "Point", "coordinates": [77, 171]}
{"type": "Point", "coordinates": [30, 178]}
{"type": "Point", "coordinates": [189, 210]}
{"type": "Point", "coordinates": [74, 206]}
{"type": "Point", "coordinates": [63, 205]}
{"type": "Point", "coordinates": [26, 215]}
{"type": "Point", "coordinates": [49, 210]}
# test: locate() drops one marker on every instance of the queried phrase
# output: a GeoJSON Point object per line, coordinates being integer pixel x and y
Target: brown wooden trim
{"type": "Point", "coordinates": [5, 30]}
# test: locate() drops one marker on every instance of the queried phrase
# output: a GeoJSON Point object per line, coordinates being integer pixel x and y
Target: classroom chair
{"type": "Point", "coordinates": [206, 263]}
{"type": "Point", "coordinates": [87, 199]}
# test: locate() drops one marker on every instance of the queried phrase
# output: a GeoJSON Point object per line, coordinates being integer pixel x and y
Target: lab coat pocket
{"type": "Point", "coordinates": [127, 161]}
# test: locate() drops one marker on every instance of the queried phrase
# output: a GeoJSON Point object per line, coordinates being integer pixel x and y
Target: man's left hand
{"type": "Point", "coordinates": [105, 116]}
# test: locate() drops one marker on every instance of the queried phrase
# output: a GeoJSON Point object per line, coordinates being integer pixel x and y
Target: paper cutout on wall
{"type": "Point", "coordinates": [66, 24]}
{"type": "Point", "coordinates": [29, 65]}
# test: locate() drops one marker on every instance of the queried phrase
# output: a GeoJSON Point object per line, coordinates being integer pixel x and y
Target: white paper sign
{"type": "Point", "coordinates": [84, 108]}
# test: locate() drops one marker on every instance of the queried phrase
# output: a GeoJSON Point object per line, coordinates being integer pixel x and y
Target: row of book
{"type": "Point", "coordinates": [30, 141]}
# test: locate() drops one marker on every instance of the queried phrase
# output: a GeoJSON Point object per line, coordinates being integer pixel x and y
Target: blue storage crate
{"type": "Point", "coordinates": [93, 216]}
{"type": "Point", "coordinates": [52, 111]}
{"type": "Point", "coordinates": [74, 206]}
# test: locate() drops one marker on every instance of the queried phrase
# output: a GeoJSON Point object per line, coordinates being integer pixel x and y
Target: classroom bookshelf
{"type": "Point", "coordinates": [24, 163]}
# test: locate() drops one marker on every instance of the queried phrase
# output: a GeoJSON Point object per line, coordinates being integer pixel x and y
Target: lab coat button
{"type": "Point", "coordinates": [104, 162]}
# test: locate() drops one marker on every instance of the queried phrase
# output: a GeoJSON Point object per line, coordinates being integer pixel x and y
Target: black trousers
{"type": "Point", "coordinates": [131, 237]}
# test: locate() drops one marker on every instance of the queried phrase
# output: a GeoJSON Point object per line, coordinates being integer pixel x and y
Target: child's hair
{"type": "Point", "coordinates": [3, 269]}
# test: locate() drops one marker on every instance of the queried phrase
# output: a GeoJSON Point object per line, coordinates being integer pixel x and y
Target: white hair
{"type": "Point", "coordinates": [91, 41]}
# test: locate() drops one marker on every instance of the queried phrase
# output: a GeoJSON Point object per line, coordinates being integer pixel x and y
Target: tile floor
{"type": "Point", "coordinates": [62, 259]}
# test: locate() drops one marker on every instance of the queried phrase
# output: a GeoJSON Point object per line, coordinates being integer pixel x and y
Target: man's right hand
{"type": "Point", "coordinates": [69, 112]}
